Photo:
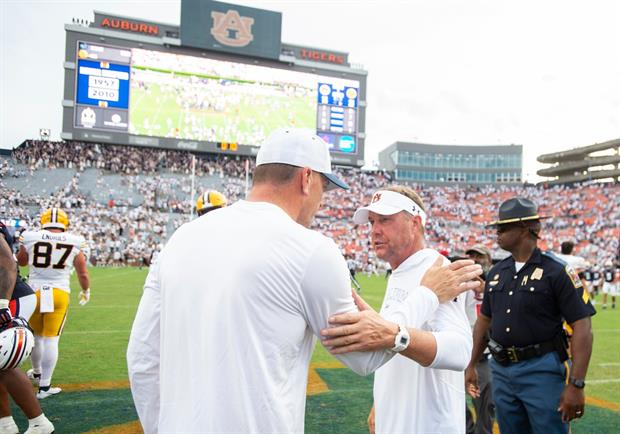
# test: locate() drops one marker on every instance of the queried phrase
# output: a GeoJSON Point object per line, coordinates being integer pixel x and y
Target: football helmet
{"type": "Point", "coordinates": [210, 200]}
{"type": "Point", "coordinates": [16, 343]}
{"type": "Point", "coordinates": [54, 218]}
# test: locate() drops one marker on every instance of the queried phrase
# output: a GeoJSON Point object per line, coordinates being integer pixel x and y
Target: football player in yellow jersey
{"type": "Point", "coordinates": [51, 255]}
{"type": "Point", "coordinates": [209, 201]}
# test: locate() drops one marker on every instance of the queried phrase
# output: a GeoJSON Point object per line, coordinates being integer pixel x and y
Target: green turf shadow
{"type": "Point", "coordinates": [344, 409]}
{"type": "Point", "coordinates": [78, 412]}
{"type": "Point", "coordinates": [597, 420]}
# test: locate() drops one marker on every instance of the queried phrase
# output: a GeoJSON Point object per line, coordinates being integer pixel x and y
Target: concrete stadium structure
{"type": "Point", "coordinates": [453, 164]}
{"type": "Point", "coordinates": [579, 164]}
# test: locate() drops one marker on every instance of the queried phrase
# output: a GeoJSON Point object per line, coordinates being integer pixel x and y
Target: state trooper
{"type": "Point", "coordinates": [527, 297]}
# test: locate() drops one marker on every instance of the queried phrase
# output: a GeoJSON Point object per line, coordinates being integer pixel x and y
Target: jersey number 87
{"type": "Point", "coordinates": [42, 255]}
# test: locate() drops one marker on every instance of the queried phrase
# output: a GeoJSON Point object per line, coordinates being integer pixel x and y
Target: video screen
{"type": "Point", "coordinates": [161, 94]}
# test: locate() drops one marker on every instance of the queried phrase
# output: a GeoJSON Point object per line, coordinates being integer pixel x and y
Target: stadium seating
{"type": "Point", "coordinates": [128, 200]}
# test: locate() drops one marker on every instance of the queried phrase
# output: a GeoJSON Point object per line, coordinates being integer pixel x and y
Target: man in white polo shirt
{"type": "Point", "coordinates": [425, 394]}
{"type": "Point", "coordinates": [223, 336]}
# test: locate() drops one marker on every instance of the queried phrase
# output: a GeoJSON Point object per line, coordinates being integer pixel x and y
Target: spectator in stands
{"type": "Point", "coordinates": [589, 213]}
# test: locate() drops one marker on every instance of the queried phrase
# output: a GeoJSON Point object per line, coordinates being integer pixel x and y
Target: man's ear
{"type": "Point", "coordinates": [416, 223]}
{"type": "Point", "coordinates": [305, 180]}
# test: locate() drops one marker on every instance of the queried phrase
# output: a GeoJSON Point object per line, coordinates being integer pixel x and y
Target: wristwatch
{"type": "Point", "coordinates": [579, 384]}
{"type": "Point", "coordinates": [401, 341]}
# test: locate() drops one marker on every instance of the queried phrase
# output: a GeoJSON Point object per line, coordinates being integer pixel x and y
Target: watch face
{"type": "Point", "coordinates": [580, 384]}
{"type": "Point", "coordinates": [401, 340]}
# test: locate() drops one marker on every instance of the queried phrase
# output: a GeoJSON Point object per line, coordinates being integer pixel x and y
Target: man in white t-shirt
{"type": "Point", "coordinates": [577, 263]}
{"type": "Point", "coordinates": [226, 327]}
{"type": "Point", "coordinates": [425, 394]}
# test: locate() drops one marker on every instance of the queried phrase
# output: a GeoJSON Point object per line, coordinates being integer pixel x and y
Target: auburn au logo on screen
{"type": "Point", "coordinates": [232, 29]}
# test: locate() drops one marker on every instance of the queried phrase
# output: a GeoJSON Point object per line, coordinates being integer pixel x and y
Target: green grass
{"type": "Point", "coordinates": [92, 349]}
{"type": "Point", "coordinates": [93, 344]}
{"type": "Point", "coordinates": [603, 379]}
{"type": "Point", "coordinates": [156, 110]}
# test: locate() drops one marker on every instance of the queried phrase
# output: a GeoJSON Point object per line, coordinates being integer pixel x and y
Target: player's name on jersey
{"type": "Point", "coordinates": [53, 237]}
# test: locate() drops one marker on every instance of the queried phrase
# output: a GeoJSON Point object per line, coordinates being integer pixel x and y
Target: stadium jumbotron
{"type": "Point", "coordinates": [581, 164]}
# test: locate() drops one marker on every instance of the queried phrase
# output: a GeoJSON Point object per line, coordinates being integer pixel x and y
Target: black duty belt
{"type": "Point", "coordinates": [506, 355]}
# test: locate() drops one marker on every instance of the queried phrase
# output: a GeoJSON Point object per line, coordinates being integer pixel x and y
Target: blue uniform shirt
{"type": "Point", "coordinates": [529, 306]}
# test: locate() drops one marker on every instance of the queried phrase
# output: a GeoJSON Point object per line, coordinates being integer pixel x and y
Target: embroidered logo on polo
{"type": "Point", "coordinates": [396, 294]}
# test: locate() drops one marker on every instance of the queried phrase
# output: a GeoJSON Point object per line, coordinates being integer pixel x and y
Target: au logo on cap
{"type": "Point", "coordinates": [232, 29]}
{"type": "Point", "coordinates": [376, 198]}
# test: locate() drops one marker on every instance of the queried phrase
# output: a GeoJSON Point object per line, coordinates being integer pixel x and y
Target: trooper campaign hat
{"type": "Point", "coordinates": [517, 209]}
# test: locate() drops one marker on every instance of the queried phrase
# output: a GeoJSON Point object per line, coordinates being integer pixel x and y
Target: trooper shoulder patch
{"type": "Point", "coordinates": [573, 276]}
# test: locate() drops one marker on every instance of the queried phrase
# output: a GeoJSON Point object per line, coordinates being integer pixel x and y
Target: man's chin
{"type": "Point", "coordinates": [380, 252]}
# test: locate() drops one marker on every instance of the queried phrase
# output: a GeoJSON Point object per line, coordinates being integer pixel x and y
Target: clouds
{"type": "Point", "coordinates": [542, 74]}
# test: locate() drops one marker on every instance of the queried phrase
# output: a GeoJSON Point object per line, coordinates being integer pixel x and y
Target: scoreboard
{"type": "Point", "coordinates": [102, 87]}
{"type": "Point", "coordinates": [122, 89]}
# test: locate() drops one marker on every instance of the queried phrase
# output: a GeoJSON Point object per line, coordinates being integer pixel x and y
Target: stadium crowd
{"type": "Point", "coordinates": [120, 232]}
{"type": "Point", "coordinates": [127, 160]}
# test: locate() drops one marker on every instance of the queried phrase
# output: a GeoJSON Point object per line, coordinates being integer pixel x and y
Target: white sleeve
{"type": "Point", "coordinates": [470, 307]}
{"type": "Point", "coordinates": [143, 354]}
{"type": "Point", "coordinates": [326, 291]}
{"type": "Point", "coordinates": [416, 309]}
{"type": "Point", "coordinates": [453, 335]}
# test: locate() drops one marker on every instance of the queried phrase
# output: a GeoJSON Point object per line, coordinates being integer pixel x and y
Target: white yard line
{"type": "Point", "coordinates": [608, 380]}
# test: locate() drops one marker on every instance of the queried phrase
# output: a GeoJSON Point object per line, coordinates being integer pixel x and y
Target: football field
{"type": "Point", "coordinates": [245, 112]}
{"type": "Point", "coordinates": [93, 374]}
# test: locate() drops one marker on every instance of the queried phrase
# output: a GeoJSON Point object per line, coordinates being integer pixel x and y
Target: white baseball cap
{"type": "Point", "coordinates": [301, 148]}
{"type": "Point", "coordinates": [385, 202]}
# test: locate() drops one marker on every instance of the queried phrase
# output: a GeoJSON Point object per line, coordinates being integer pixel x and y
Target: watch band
{"type": "Point", "coordinates": [401, 341]}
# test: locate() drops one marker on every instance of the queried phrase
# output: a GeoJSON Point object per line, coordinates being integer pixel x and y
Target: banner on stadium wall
{"type": "Point", "coordinates": [231, 28]}
{"type": "Point", "coordinates": [316, 54]}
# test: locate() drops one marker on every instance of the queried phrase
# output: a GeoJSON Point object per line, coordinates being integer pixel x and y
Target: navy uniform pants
{"type": "Point", "coordinates": [527, 395]}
